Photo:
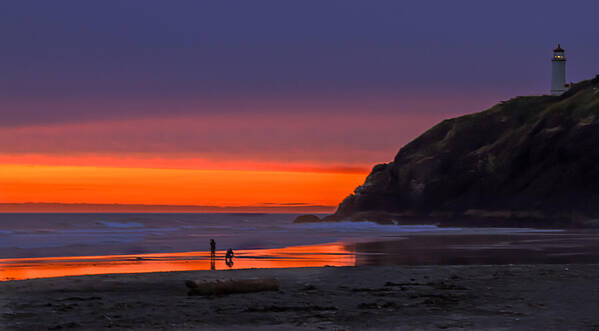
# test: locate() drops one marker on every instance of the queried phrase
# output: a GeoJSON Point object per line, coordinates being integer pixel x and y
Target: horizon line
{"type": "Point", "coordinates": [59, 207]}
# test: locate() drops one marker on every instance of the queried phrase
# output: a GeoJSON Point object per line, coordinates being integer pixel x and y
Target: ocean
{"type": "Point", "coordinates": [52, 235]}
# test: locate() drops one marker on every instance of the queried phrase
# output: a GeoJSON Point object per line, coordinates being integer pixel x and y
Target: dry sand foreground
{"type": "Point", "coordinates": [533, 297]}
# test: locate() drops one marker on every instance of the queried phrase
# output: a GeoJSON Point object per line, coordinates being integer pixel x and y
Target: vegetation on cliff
{"type": "Point", "coordinates": [524, 161]}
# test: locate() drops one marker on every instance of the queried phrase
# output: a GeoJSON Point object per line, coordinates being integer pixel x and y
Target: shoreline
{"type": "Point", "coordinates": [433, 231]}
{"type": "Point", "coordinates": [474, 247]}
{"type": "Point", "coordinates": [329, 298]}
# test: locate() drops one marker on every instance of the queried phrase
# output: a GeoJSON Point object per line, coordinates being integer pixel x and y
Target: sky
{"type": "Point", "coordinates": [237, 103]}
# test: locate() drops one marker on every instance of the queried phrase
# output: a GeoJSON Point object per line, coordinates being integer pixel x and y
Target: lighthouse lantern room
{"type": "Point", "coordinates": [558, 71]}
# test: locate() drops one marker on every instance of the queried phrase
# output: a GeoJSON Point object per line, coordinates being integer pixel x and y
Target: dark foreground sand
{"type": "Point", "coordinates": [533, 297]}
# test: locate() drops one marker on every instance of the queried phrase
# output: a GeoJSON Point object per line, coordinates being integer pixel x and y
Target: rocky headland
{"type": "Point", "coordinates": [529, 161]}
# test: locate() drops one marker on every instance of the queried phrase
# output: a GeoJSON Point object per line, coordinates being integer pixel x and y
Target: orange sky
{"type": "Point", "coordinates": [108, 185]}
{"type": "Point", "coordinates": [270, 160]}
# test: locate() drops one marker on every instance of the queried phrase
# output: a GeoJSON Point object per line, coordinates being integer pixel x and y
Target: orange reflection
{"type": "Point", "coordinates": [334, 254]}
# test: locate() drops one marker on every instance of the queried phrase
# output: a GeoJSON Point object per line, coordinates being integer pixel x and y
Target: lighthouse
{"type": "Point", "coordinates": [558, 71]}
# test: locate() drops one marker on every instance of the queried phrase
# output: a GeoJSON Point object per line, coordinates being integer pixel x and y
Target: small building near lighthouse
{"type": "Point", "coordinates": [558, 71]}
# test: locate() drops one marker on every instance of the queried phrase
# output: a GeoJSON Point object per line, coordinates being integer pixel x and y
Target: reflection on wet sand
{"type": "Point", "coordinates": [335, 254]}
{"type": "Point", "coordinates": [518, 248]}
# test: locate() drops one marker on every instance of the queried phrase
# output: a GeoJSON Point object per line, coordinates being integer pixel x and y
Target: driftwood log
{"type": "Point", "coordinates": [221, 287]}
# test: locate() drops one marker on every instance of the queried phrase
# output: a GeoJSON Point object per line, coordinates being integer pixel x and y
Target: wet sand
{"type": "Point", "coordinates": [288, 257]}
{"type": "Point", "coordinates": [574, 246]}
{"type": "Point", "coordinates": [528, 297]}
{"type": "Point", "coordinates": [477, 247]}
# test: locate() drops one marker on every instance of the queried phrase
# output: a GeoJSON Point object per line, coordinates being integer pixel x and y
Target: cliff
{"type": "Point", "coordinates": [527, 161]}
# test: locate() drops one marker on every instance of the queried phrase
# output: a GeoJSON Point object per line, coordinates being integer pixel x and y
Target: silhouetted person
{"type": "Point", "coordinates": [212, 247]}
{"type": "Point", "coordinates": [229, 257]}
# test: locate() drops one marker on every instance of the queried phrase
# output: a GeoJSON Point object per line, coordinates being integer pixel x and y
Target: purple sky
{"type": "Point", "coordinates": [106, 61]}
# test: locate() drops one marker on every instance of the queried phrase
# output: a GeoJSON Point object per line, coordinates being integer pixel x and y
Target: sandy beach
{"type": "Point", "coordinates": [532, 297]}
{"type": "Point", "coordinates": [506, 279]}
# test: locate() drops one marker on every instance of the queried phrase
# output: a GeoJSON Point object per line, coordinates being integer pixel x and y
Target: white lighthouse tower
{"type": "Point", "coordinates": [558, 71]}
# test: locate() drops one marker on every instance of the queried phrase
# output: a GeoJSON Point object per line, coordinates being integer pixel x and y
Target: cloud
{"type": "Point", "coordinates": [326, 139]}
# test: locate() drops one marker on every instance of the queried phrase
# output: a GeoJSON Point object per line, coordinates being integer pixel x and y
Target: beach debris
{"type": "Point", "coordinates": [68, 325]}
{"type": "Point", "coordinates": [389, 284]}
{"type": "Point", "coordinates": [80, 298]}
{"type": "Point", "coordinates": [446, 286]}
{"type": "Point", "coordinates": [281, 309]}
{"type": "Point", "coordinates": [308, 287]}
{"type": "Point", "coordinates": [231, 286]}
{"type": "Point", "coordinates": [378, 305]}
{"type": "Point", "coordinates": [367, 289]}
